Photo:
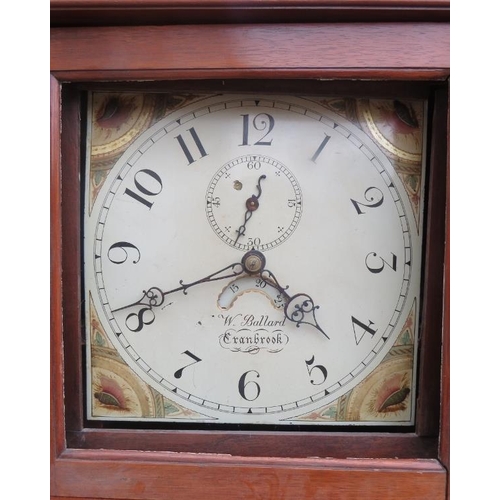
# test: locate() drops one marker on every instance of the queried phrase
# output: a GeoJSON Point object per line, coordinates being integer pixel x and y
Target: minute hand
{"type": "Point", "coordinates": [155, 297]}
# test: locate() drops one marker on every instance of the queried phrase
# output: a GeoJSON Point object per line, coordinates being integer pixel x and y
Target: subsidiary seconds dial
{"type": "Point", "coordinates": [253, 201]}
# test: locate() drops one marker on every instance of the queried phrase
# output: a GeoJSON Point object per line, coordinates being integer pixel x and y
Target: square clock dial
{"type": "Point", "coordinates": [253, 259]}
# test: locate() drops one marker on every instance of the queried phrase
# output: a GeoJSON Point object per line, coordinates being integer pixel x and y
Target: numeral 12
{"type": "Point", "coordinates": [263, 122]}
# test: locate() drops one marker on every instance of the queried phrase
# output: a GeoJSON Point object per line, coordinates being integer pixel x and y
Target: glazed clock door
{"type": "Point", "coordinates": [253, 259]}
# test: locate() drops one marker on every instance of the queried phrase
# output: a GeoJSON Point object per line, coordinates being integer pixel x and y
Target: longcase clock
{"type": "Point", "coordinates": [249, 271]}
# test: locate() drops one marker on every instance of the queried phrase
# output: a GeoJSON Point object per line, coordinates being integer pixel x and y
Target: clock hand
{"type": "Point", "coordinates": [155, 297]}
{"type": "Point", "coordinates": [252, 262]}
{"type": "Point", "coordinates": [299, 308]}
{"type": "Point", "coordinates": [252, 204]}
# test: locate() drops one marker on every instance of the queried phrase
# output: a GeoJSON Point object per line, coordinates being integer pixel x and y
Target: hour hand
{"type": "Point", "coordinates": [299, 308]}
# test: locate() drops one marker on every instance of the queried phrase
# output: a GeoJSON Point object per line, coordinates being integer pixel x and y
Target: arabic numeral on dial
{"type": "Point", "coordinates": [374, 198]}
{"type": "Point", "coordinates": [254, 165]}
{"type": "Point", "coordinates": [260, 283]}
{"type": "Point", "coordinates": [320, 148]}
{"type": "Point", "coordinates": [320, 372]}
{"type": "Point", "coordinates": [376, 264]}
{"type": "Point", "coordinates": [249, 389]}
{"type": "Point", "coordinates": [118, 253]}
{"type": "Point", "coordinates": [215, 202]}
{"type": "Point", "coordinates": [262, 122]}
{"type": "Point", "coordinates": [279, 301]}
{"type": "Point", "coordinates": [361, 329]}
{"type": "Point", "coordinates": [185, 148]}
{"type": "Point", "coordinates": [196, 359]}
{"type": "Point", "coordinates": [140, 319]}
{"type": "Point", "coordinates": [254, 242]}
{"type": "Point", "coordinates": [148, 183]}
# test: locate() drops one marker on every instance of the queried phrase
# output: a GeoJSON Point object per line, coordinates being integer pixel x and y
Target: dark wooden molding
{"type": "Point", "coordinates": [444, 432]}
{"type": "Point", "coordinates": [156, 12]}
{"type": "Point", "coordinates": [131, 475]}
{"type": "Point", "coordinates": [321, 51]}
{"type": "Point", "coordinates": [303, 444]}
{"type": "Point", "coordinates": [57, 427]}
{"type": "Point", "coordinates": [71, 256]}
{"type": "Point", "coordinates": [434, 267]}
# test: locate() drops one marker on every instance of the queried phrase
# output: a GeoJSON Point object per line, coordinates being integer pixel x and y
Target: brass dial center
{"type": "Point", "coordinates": [253, 261]}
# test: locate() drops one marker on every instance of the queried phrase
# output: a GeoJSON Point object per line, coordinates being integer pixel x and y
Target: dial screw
{"type": "Point", "coordinates": [253, 261]}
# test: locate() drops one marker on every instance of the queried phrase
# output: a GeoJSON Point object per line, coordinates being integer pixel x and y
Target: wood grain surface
{"type": "Point", "coordinates": [135, 476]}
{"type": "Point", "coordinates": [398, 51]}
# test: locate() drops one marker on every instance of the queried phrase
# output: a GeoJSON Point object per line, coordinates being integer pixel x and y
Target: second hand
{"type": "Point", "coordinates": [252, 205]}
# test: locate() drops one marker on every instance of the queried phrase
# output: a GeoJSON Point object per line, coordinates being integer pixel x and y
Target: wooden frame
{"type": "Point", "coordinates": [110, 463]}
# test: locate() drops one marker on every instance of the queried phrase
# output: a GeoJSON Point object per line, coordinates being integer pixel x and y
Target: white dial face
{"type": "Point", "coordinates": [252, 259]}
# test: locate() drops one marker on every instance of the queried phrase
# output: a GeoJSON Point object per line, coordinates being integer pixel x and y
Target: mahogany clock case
{"type": "Point", "coordinates": [420, 441]}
